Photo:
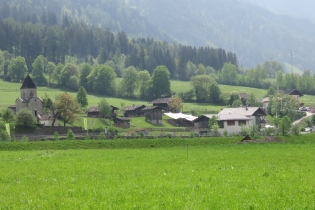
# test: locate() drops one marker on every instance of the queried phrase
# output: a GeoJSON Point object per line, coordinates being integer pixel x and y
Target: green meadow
{"type": "Point", "coordinates": [8, 96]}
{"type": "Point", "coordinates": [157, 174]}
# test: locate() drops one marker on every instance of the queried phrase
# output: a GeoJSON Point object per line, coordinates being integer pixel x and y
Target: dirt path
{"type": "Point", "coordinates": [308, 114]}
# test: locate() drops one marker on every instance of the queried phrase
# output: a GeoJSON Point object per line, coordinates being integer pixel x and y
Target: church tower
{"type": "Point", "coordinates": [28, 97]}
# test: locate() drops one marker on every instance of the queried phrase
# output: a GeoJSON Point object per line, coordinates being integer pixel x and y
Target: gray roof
{"type": "Point", "coordinates": [161, 101]}
{"type": "Point", "coordinates": [150, 108]}
{"type": "Point", "coordinates": [134, 107]}
{"type": "Point", "coordinates": [246, 111]}
{"type": "Point", "coordinates": [93, 109]}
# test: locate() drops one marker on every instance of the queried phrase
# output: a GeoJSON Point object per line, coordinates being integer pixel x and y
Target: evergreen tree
{"type": "Point", "coordinates": [82, 97]}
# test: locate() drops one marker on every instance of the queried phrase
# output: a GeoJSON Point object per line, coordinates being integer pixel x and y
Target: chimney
{"type": "Point", "coordinates": [246, 107]}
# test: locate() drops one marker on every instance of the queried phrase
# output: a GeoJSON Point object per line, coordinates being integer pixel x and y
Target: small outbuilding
{"type": "Point", "coordinates": [153, 114]}
{"type": "Point", "coordinates": [122, 122]}
{"type": "Point", "coordinates": [134, 111]}
{"type": "Point", "coordinates": [93, 112]}
{"type": "Point", "coordinates": [162, 103]}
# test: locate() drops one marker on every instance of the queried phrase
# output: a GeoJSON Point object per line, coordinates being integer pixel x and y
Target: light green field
{"type": "Point", "coordinates": [271, 176]}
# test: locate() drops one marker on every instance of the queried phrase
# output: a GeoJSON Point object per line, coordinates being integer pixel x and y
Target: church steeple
{"type": "Point", "coordinates": [28, 89]}
{"type": "Point", "coordinates": [28, 83]}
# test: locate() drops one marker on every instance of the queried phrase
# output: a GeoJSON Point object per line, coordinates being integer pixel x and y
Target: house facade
{"type": "Point", "coordinates": [232, 123]}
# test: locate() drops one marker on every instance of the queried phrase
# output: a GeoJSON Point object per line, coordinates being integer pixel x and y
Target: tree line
{"type": "Point", "coordinates": [88, 43]}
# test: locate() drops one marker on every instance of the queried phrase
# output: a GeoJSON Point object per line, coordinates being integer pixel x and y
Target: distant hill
{"type": "Point", "coordinates": [301, 8]}
{"type": "Point", "coordinates": [254, 33]}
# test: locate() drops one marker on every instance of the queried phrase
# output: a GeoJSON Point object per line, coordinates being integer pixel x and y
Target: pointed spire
{"type": "Point", "coordinates": [28, 83]}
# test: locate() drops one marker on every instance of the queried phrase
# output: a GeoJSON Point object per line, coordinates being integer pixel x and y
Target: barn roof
{"type": "Point", "coordinates": [134, 107]}
{"type": "Point", "coordinates": [161, 101]}
{"type": "Point", "coordinates": [150, 108]}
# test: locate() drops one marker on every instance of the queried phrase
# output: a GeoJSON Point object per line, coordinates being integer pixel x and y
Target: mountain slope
{"type": "Point", "coordinates": [254, 33]}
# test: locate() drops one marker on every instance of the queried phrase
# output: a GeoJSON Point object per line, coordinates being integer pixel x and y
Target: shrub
{"type": "Point", "coordinates": [101, 136]}
{"type": "Point", "coordinates": [70, 135]}
{"type": "Point", "coordinates": [87, 137]}
{"type": "Point", "coordinates": [295, 130]}
{"type": "Point", "coordinates": [4, 136]}
{"type": "Point", "coordinates": [56, 135]}
{"type": "Point", "coordinates": [24, 138]}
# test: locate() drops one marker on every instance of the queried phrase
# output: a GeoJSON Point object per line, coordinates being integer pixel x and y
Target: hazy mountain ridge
{"type": "Point", "coordinates": [253, 32]}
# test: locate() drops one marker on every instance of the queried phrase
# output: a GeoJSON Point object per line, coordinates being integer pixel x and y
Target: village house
{"type": "Point", "coordinates": [292, 92]}
{"type": "Point", "coordinates": [153, 114]}
{"type": "Point", "coordinates": [255, 114]}
{"type": "Point", "coordinates": [134, 111]}
{"type": "Point", "coordinates": [232, 123]}
{"type": "Point", "coordinates": [180, 119]}
{"type": "Point", "coordinates": [162, 103]}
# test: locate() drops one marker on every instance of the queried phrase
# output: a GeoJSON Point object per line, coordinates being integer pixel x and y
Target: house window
{"type": "Point", "coordinates": [221, 124]}
{"type": "Point", "coordinates": [23, 95]}
{"type": "Point", "coordinates": [230, 122]}
{"type": "Point", "coordinates": [31, 94]}
{"type": "Point", "coordinates": [241, 122]}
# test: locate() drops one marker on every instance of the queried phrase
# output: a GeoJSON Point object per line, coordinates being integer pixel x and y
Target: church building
{"type": "Point", "coordinates": [28, 98]}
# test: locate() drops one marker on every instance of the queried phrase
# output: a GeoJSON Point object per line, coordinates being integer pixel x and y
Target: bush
{"type": "Point", "coordinates": [295, 130]}
{"type": "Point", "coordinates": [101, 136]}
{"type": "Point", "coordinates": [70, 135]}
{"type": "Point", "coordinates": [87, 137]}
{"type": "Point", "coordinates": [24, 138]}
{"type": "Point", "coordinates": [4, 136]}
{"type": "Point", "coordinates": [56, 135]}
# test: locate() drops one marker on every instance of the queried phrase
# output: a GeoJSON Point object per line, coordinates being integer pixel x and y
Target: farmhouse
{"type": "Point", "coordinates": [256, 114]}
{"type": "Point", "coordinates": [292, 92]}
{"type": "Point", "coordinates": [134, 110]}
{"type": "Point", "coordinates": [153, 114]}
{"type": "Point", "coordinates": [162, 103]}
{"type": "Point", "coordinates": [28, 98]}
{"type": "Point", "coordinates": [232, 123]}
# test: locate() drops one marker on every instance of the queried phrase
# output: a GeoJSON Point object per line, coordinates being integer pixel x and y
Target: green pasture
{"type": "Point", "coordinates": [208, 176]}
{"type": "Point", "coordinates": [8, 96]}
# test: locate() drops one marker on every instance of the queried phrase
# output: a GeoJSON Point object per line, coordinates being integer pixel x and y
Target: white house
{"type": "Point", "coordinates": [255, 114]}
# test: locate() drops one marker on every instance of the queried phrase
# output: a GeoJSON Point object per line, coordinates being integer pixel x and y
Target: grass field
{"type": "Point", "coordinates": [212, 176]}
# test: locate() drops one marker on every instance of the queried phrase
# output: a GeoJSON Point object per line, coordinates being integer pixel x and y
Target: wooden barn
{"type": "Point", "coordinates": [162, 103]}
{"type": "Point", "coordinates": [93, 112]}
{"type": "Point", "coordinates": [122, 122]}
{"type": "Point", "coordinates": [153, 114]}
{"type": "Point", "coordinates": [134, 111]}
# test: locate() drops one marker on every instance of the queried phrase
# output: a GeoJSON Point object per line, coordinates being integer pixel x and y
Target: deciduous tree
{"type": "Point", "coordinates": [104, 108]}
{"type": "Point", "coordinates": [65, 107]}
{"type": "Point", "coordinates": [129, 82]}
{"type": "Point", "coordinates": [143, 79]}
{"type": "Point", "coordinates": [7, 115]}
{"type": "Point", "coordinates": [38, 70]}
{"type": "Point", "coordinates": [176, 104]}
{"type": "Point", "coordinates": [18, 69]}
{"type": "Point", "coordinates": [25, 118]}
{"type": "Point", "coordinates": [160, 82]}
